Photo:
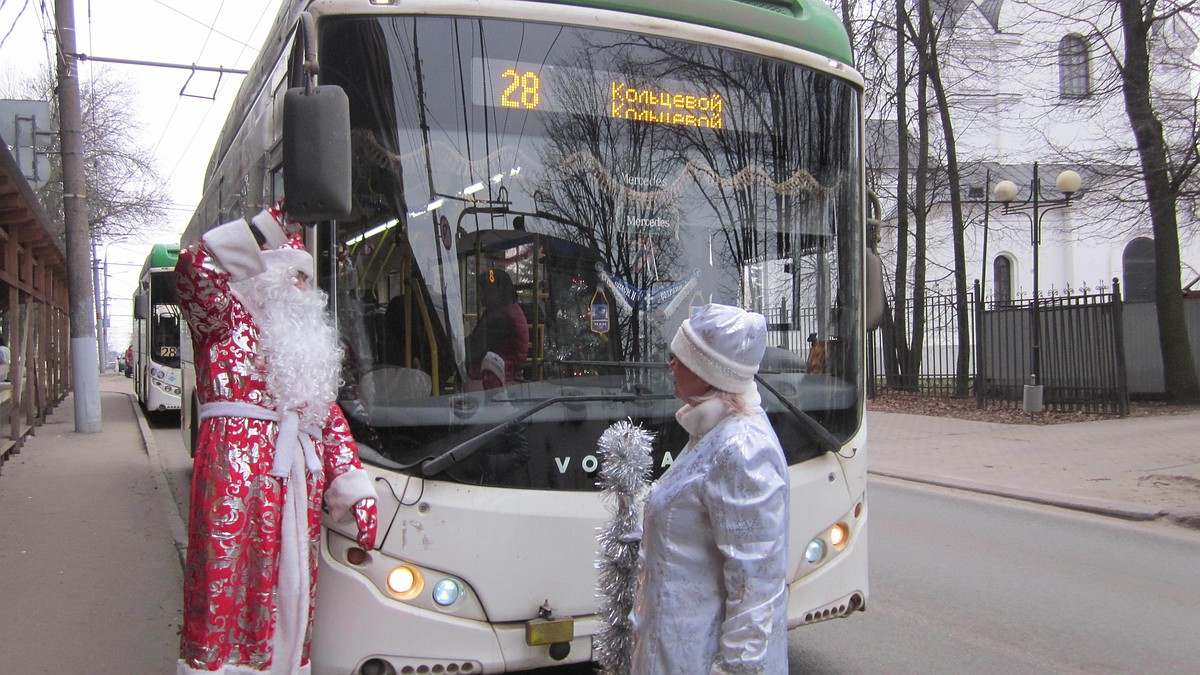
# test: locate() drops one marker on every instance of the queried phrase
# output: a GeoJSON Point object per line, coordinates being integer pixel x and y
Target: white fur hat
{"type": "Point", "coordinates": [723, 345]}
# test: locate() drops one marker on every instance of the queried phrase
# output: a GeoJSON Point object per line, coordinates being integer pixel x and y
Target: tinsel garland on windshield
{"type": "Point", "coordinates": [624, 478]}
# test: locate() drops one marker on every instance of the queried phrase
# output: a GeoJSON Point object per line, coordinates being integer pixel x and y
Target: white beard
{"type": "Point", "coordinates": [299, 352]}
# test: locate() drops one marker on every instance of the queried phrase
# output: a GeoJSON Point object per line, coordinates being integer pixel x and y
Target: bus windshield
{"type": "Point", "coordinates": [164, 318]}
{"type": "Point", "coordinates": [537, 209]}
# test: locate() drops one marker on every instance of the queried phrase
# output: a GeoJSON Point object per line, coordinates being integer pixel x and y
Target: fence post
{"type": "Point", "coordinates": [872, 368]}
{"type": "Point", "coordinates": [1119, 346]}
{"type": "Point", "coordinates": [980, 368]}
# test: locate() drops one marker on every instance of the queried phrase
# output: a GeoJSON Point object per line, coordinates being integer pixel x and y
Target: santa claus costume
{"type": "Point", "coordinates": [272, 448]}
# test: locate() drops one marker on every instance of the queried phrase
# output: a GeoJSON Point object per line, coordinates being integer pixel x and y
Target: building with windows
{"type": "Point", "coordinates": [1038, 86]}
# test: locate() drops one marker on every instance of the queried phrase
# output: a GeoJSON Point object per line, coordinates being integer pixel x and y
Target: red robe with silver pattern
{"type": "Point", "coordinates": [230, 580]}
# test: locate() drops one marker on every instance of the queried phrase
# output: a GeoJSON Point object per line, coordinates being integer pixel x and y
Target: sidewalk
{"type": "Point", "coordinates": [1141, 468]}
{"type": "Point", "coordinates": [89, 578]}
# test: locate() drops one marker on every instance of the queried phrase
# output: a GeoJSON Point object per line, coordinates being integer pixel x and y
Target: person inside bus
{"type": "Point", "coordinates": [712, 594]}
{"type": "Point", "coordinates": [502, 329]}
{"type": "Point", "coordinates": [396, 320]}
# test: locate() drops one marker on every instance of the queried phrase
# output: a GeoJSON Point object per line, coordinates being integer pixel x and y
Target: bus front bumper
{"type": "Point", "coordinates": [355, 624]}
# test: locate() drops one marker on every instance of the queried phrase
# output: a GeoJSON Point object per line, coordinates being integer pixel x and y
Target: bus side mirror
{"type": "Point", "coordinates": [141, 306]}
{"type": "Point", "coordinates": [875, 293]}
{"type": "Point", "coordinates": [316, 153]}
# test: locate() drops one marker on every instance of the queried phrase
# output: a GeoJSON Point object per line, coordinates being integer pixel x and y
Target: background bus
{"type": "Point", "coordinates": [155, 340]}
{"type": "Point", "coordinates": [621, 163]}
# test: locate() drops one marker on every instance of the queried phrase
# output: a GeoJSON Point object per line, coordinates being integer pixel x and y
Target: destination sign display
{"type": "Point", "coordinates": [548, 88]}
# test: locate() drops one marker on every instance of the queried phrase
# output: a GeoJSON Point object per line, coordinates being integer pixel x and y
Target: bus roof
{"type": "Point", "coordinates": [806, 24]}
{"type": "Point", "coordinates": [161, 255]}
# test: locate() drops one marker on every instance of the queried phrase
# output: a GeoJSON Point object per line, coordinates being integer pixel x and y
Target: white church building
{"type": "Point", "coordinates": [1036, 86]}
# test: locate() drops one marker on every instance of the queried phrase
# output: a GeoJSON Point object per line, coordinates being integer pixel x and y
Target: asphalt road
{"type": "Point", "coordinates": [964, 583]}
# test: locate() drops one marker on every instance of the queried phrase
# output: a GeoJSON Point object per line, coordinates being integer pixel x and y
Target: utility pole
{"type": "Point", "coordinates": [84, 355]}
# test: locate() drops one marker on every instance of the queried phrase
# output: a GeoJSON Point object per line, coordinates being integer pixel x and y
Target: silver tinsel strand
{"type": "Point", "coordinates": [624, 478]}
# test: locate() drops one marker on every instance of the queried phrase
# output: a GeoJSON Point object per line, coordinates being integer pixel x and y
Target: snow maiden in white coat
{"type": "Point", "coordinates": [712, 596]}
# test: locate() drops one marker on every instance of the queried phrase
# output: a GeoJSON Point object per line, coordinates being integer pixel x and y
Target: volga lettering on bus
{"type": "Point", "coordinates": [590, 463]}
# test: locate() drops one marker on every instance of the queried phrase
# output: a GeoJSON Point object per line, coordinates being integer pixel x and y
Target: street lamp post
{"type": "Point", "coordinates": [107, 322]}
{"type": "Point", "coordinates": [102, 303]}
{"type": "Point", "coordinates": [1035, 207]}
{"type": "Point", "coordinates": [101, 347]}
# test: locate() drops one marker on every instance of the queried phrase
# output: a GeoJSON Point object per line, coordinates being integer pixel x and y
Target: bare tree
{"type": "Point", "coordinates": [895, 36]}
{"type": "Point", "coordinates": [881, 45]}
{"type": "Point", "coordinates": [126, 196]}
{"type": "Point", "coordinates": [1143, 50]}
{"type": "Point", "coordinates": [1164, 173]}
{"type": "Point", "coordinates": [1144, 56]}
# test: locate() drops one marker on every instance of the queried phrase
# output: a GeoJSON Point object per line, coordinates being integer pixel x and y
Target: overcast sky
{"type": "Point", "coordinates": [180, 118]}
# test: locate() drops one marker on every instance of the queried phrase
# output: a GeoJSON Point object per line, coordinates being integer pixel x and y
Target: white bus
{"type": "Point", "coordinates": [155, 340]}
{"type": "Point", "coordinates": [622, 163]}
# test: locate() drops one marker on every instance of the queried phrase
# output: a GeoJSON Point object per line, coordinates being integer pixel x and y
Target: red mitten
{"type": "Point", "coordinates": [367, 518]}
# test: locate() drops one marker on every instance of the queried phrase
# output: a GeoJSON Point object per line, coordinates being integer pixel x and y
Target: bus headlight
{"type": "Point", "coordinates": [815, 551]}
{"type": "Point", "coordinates": [405, 582]}
{"type": "Point", "coordinates": [838, 536]}
{"type": "Point", "coordinates": [446, 592]}
{"type": "Point", "coordinates": [827, 543]}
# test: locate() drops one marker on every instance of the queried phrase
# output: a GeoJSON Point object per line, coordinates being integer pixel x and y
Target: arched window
{"type": "Point", "coordinates": [1137, 268]}
{"type": "Point", "coordinates": [1002, 279]}
{"type": "Point", "coordinates": [1074, 67]}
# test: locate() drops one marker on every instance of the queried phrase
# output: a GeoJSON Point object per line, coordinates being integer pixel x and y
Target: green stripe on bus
{"type": "Point", "coordinates": [806, 24]}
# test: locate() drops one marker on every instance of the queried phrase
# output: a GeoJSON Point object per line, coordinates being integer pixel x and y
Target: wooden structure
{"type": "Point", "coordinates": [34, 310]}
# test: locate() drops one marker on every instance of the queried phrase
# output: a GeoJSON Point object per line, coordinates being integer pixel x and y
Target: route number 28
{"type": "Point", "coordinates": [523, 90]}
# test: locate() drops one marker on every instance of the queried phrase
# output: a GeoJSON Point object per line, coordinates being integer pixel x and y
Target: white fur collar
{"type": "Point", "coordinates": [700, 419]}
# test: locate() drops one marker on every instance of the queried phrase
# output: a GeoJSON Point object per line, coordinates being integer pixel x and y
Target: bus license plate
{"type": "Point", "coordinates": [549, 631]}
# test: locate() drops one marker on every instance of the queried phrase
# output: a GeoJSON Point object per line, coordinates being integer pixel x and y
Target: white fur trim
{"type": "Point", "coordinates": [270, 229]}
{"type": "Point", "coordinates": [182, 669]}
{"type": "Point", "coordinates": [494, 364]}
{"type": "Point", "coordinates": [293, 586]}
{"type": "Point", "coordinates": [713, 368]}
{"type": "Point", "coordinates": [347, 490]}
{"type": "Point", "coordinates": [235, 248]}
{"type": "Point", "coordinates": [300, 260]}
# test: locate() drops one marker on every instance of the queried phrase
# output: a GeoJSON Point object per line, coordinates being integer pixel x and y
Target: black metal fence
{"type": "Point", "coordinates": [1077, 347]}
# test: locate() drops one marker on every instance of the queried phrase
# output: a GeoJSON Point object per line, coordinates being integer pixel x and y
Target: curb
{"type": "Point", "coordinates": [174, 519]}
{"type": "Point", "coordinates": [1103, 507]}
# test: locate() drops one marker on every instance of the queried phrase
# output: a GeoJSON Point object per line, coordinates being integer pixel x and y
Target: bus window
{"type": "Point", "coordinates": [610, 232]}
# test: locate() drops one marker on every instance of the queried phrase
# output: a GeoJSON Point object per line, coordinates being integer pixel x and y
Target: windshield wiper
{"type": "Point", "coordinates": [814, 428]}
{"type": "Point", "coordinates": [468, 447]}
